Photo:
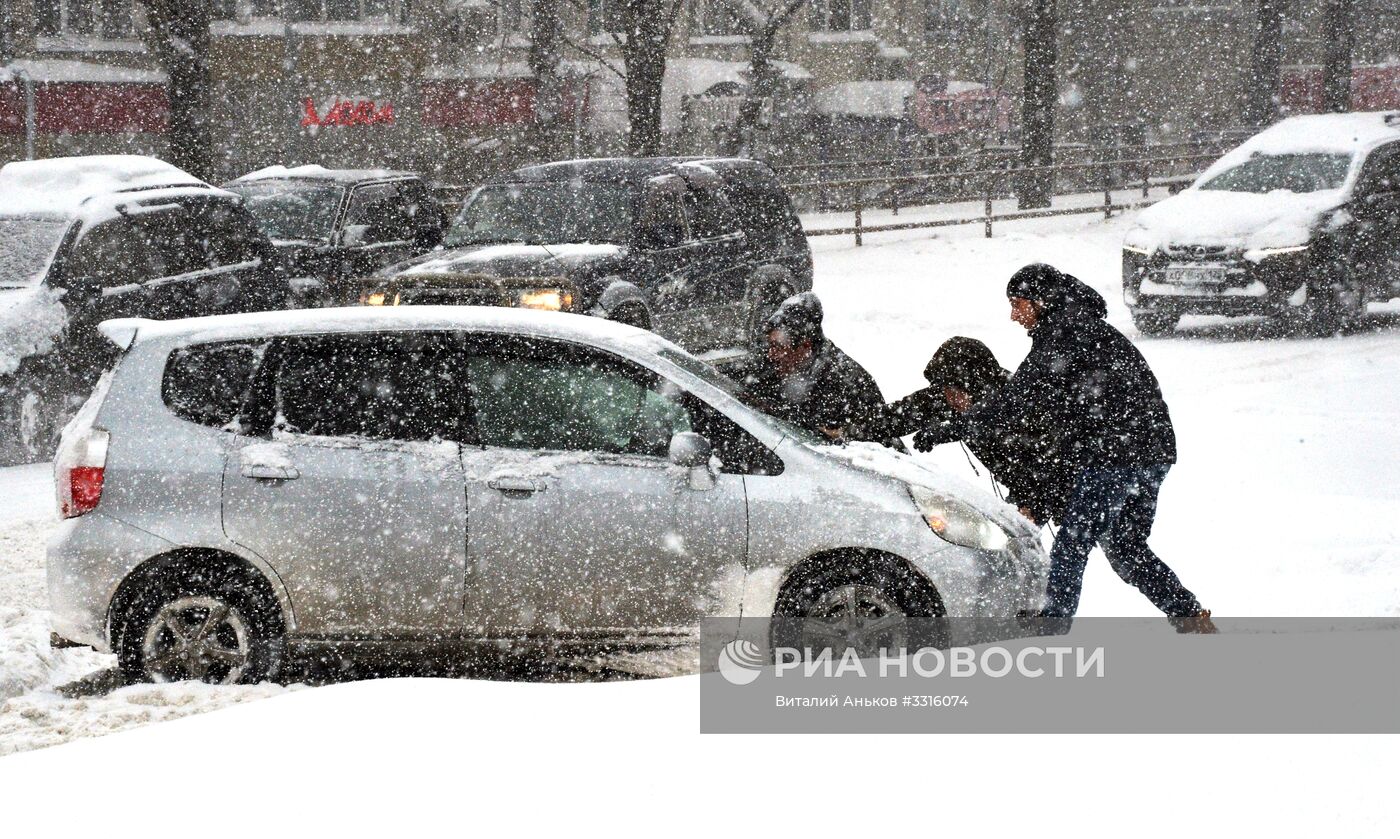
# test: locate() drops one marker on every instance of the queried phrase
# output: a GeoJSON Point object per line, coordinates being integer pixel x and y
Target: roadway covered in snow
{"type": "Point", "coordinates": [1283, 502]}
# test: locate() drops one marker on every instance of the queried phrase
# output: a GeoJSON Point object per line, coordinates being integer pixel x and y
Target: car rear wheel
{"type": "Point", "coordinates": [1154, 323]}
{"type": "Point", "coordinates": [214, 631]}
{"type": "Point", "coordinates": [29, 422]}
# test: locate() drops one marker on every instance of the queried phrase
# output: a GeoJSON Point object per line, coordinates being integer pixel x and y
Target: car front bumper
{"type": "Point", "coordinates": [1271, 286]}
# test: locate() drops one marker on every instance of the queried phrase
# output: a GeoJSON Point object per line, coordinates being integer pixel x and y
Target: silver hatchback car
{"type": "Point", "coordinates": [244, 485]}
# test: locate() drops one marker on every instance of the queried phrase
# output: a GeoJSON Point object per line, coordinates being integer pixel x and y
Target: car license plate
{"type": "Point", "coordinates": [1194, 274]}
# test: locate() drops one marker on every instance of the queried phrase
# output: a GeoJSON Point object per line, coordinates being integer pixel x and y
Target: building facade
{"type": "Point", "coordinates": [445, 86]}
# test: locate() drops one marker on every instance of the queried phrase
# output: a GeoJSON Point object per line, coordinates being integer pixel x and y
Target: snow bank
{"type": "Point", "coordinates": [30, 320]}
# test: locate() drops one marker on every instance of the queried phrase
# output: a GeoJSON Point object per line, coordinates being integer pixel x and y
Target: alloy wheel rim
{"type": "Point", "coordinates": [200, 638]}
{"type": "Point", "coordinates": [855, 616]}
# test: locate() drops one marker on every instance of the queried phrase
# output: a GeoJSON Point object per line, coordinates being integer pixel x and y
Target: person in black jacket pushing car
{"type": "Point", "coordinates": [1108, 426]}
{"type": "Point", "coordinates": [961, 374]}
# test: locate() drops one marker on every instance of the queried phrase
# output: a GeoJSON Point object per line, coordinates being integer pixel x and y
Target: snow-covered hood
{"type": "Point", "coordinates": [509, 260]}
{"type": "Point", "coordinates": [888, 463]}
{"type": "Point", "coordinates": [1241, 220]}
{"type": "Point", "coordinates": [31, 319]}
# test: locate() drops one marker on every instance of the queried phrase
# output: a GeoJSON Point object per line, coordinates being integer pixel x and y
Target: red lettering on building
{"type": "Point", "coordinates": [347, 112]}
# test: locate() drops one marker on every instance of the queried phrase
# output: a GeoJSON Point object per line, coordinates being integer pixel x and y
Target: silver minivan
{"type": "Point", "coordinates": [241, 486]}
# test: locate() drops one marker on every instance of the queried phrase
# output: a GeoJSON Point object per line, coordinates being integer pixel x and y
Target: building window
{"type": "Point", "coordinates": [102, 19]}
{"type": "Point", "coordinates": [246, 9]}
{"type": "Point", "coordinates": [607, 16]}
{"type": "Point", "coordinates": [841, 15]}
{"type": "Point", "coordinates": [945, 16]}
{"type": "Point", "coordinates": [394, 11]}
{"type": "Point", "coordinates": [719, 17]}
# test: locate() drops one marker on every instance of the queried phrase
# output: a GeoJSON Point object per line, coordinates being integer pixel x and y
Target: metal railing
{"type": "Point", "coordinates": [989, 185]}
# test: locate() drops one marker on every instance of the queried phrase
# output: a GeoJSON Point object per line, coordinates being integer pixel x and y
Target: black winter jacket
{"type": "Point", "coordinates": [832, 391]}
{"type": "Point", "coordinates": [1087, 386]}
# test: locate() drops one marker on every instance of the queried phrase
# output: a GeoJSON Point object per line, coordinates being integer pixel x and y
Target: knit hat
{"type": "Point", "coordinates": [800, 317]}
{"type": "Point", "coordinates": [966, 364]}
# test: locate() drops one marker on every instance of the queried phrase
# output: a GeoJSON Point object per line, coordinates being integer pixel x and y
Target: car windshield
{"type": "Point", "coordinates": [546, 213]}
{"type": "Point", "coordinates": [710, 375]}
{"type": "Point", "coordinates": [292, 210]}
{"type": "Point", "coordinates": [27, 247]}
{"type": "Point", "coordinates": [1293, 172]}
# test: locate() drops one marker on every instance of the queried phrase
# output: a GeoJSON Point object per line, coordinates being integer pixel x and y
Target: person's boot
{"type": "Point", "coordinates": [1197, 624]}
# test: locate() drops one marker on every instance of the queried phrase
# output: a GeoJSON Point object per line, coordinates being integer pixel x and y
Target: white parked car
{"type": "Point", "coordinates": [464, 475]}
{"type": "Point", "coordinates": [1301, 221]}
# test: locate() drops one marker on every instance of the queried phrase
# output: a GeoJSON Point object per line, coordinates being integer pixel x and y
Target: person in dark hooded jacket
{"type": "Point", "coordinates": [806, 379]}
{"type": "Point", "coordinates": [963, 373]}
{"type": "Point", "coordinates": [1092, 390]}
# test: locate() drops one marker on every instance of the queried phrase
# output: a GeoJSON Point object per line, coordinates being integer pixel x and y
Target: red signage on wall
{"type": "Point", "coordinates": [470, 103]}
{"type": "Point", "coordinates": [86, 108]}
{"type": "Point", "coordinates": [346, 112]}
{"type": "Point", "coordinates": [1373, 88]}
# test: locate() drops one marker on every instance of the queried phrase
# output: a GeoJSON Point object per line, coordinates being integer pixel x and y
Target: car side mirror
{"type": "Point", "coordinates": [692, 451]}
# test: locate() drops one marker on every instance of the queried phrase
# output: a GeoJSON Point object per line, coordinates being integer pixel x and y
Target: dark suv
{"type": "Point", "coordinates": [699, 250]}
{"type": "Point", "coordinates": [83, 239]}
{"type": "Point", "coordinates": [1302, 221]}
{"type": "Point", "coordinates": [334, 227]}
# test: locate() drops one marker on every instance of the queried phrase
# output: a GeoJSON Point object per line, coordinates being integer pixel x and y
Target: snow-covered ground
{"type": "Point", "coordinates": [1283, 502]}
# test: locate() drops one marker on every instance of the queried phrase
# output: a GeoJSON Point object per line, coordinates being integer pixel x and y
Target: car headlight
{"type": "Point", "coordinates": [1137, 250]}
{"type": "Point", "coordinates": [1256, 254]}
{"type": "Point", "coordinates": [549, 299]}
{"type": "Point", "coordinates": [378, 298]}
{"type": "Point", "coordinates": [957, 522]}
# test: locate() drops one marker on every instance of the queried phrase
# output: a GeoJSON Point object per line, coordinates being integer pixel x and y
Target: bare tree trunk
{"type": "Point", "coordinates": [644, 58]}
{"type": "Point", "coordinates": [1340, 35]}
{"type": "Point", "coordinates": [180, 39]}
{"type": "Point", "coordinates": [1261, 99]}
{"type": "Point", "coordinates": [1038, 106]}
{"type": "Point", "coordinates": [546, 46]}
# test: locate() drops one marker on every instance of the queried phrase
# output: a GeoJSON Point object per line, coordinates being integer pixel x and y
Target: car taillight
{"type": "Point", "coordinates": [78, 472]}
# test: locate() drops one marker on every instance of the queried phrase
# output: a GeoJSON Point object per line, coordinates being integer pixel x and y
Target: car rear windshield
{"type": "Point", "coordinates": [1292, 172]}
{"type": "Point", "coordinates": [27, 248]}
{"type": "Point", "coordinates": [546, 213]}
{"type": "Point", "coordinates": [292, 210]}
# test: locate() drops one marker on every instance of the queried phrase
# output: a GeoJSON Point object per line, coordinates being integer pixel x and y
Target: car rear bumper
{"type": "Point", "coordinates": [87, 559]}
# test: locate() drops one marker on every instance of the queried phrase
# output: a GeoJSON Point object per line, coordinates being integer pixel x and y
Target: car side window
{"type": "Point", "coordinates": [377, 214]}
{"type": "Point", "coordinates": [552, 397]}
{"type": "Point", "coordinates": [208, 383]}
{"type": "Point", "coordinates": [664, 220]}
{"type": "Point", "coordinates": [1381, 174]}
{"type": "Point", "coordinates": [114, 254]}
{"type": "Point", "coordinates": [379, 386]}
{"type": "Point", "coordinates": [709, 214]}
{"type": "Point", "coordinates": [231, 237]}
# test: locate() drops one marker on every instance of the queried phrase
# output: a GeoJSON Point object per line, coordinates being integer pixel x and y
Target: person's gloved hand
{"type": "Point", "coordinates": [925, 440]}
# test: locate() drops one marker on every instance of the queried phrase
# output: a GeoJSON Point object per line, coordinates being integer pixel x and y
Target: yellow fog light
{"type": "Point", "coordinates": [374, 299]}
{"type": "Point", "coordinates": [550, 299]}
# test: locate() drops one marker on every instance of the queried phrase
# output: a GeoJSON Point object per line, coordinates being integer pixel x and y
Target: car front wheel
{"type": "Point", "coordinates": [869, 608]}
{"type": "Point", "coordinates": [1154, 323]}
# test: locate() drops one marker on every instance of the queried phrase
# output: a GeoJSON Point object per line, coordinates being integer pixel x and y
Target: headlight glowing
{"type": "Point", "coordinates": [957, 522]}
{"type": "Point", "coordinates": [378, 298]}
{"type": "Point", "coordinates": [1137, 250]}
{"type": "Point", "coordinates": [549, 299]}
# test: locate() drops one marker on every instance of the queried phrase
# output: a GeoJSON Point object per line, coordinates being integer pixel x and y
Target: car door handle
{"type": "Point", "coordinates": [512, 485]}
{"type": "Point", "coordinates": [264, 472]}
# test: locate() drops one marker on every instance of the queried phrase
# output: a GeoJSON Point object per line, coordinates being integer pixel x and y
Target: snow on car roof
{"type": "Point", "coordinates": [314, 171]}
{"type": "Point", "coordinates": [64, 184]}
{"type": "Point", "coordinates": [127, 331]}
{"type": "Point", "coordinates": [1315, 133]}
